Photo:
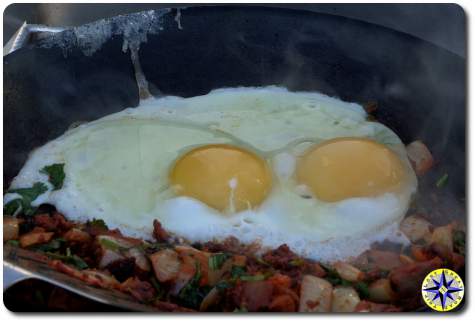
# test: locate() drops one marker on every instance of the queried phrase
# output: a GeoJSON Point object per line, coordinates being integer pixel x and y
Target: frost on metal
{"type": "Point", "coordinates": [134, 29]}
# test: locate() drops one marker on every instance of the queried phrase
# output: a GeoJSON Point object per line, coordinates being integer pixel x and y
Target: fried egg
{"type": "Point", "coordinates": [264, 165]}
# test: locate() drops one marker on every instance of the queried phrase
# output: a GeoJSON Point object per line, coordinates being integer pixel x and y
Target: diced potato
{"type": "Point", "coordinates": [33, 238]}
{"type": "Point", "coordinates": [77, 235]}
{"type": "Point", "coordinates": [166, 264]}
{"type": "Point", "coordinates": [185, 274]}
{"type": "Point", "coordinates": [108, 256]}
{"type": "Point", "coordinates": [348, 272]}
{"type": "Point", "coordinates": [416, 228]}
{"type": "Point", "coordinates": [11, 227]}
{"type": "Point", "coordinates": [380, 291]}
{"type": "Point", "coordinates": [420, 157]}
{"type": "Point", "coordinates": [345, 299]}
{"type": "Point", "coordinates": [140, 259]}
{"type": "Point", "coordinates": [443, 236]}
{"type": "Point", "coordinates": [315, 294]}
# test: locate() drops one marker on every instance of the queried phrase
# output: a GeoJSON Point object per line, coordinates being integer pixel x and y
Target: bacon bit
{"type": "Point", "coordinates": [90, 277]}
{"type": "Point", "coordinates": [33, 238]}
{"type": "Point", "coordinates": [318, 270]}
{"type": "Point", "coordinates": [281, 257]}
{"type": "Point", "coordinates": [159, 233]}
{"type": "Point", "coordinates": [280, 280]}
{"type": "Point", "coordinates": [141, 290]}
{"type": "Point", "coordinates": [421, 253]}
{"type": "Point", "coordinates": [54, 222]}
{"type": "Point", "coordinates": [407, 279]}
{"type": "Point", "coordinates": [282, 303]}
{"type": "Point", "coordinates": [384, 260]}
{"type": "Point", "coordinates": [256, 295]}
{"type": "Point", "coordinates": [122, 269]}
{"type": "Point", "coordinates": [420, 157]}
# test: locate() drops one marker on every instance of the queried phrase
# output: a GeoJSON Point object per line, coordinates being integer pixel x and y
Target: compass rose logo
{"type": "Point", "coordinates": [442, 290]}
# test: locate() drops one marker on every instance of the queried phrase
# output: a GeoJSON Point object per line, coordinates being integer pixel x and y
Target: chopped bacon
{"type": "Point", "coordinates": [54, 222]}
{"type": "Point", "coordinates": [283, 303]}
{"type": "Point", "coordinates": [281, 257]}
{"type": "Point", "coordinates": [378, 259]}
{"type": "Point", "coordinates": [141, 290]}
{"type": "Point", "coordinates": [407, 280]}
{"type": "Point", "coordinates": [89, 276]}
{"type": "Point", "coordinates": [256, 295]}
{"type": "Point", "coordinates": [122, 269]}
{"type": "Point", "coordinates": [159, 233]}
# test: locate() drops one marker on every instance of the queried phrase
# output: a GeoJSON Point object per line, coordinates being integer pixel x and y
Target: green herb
{"type": "Point", "coordinates": [52, 246]}
{"type": "Point", "coordinates": [237, 271]}
{"type": "Point", "coordinates": [362, 289]}
{"type": "Point", "coordinates": [109, 244]}
{"type": "Point", "coordinates": [222, 285]}
{"type": "Point", "coordinates": [98, 223]}
{"type": "Point", "coordinates": [253, 278]}
{"type": "Point", "coordinates": [332, 276]}
{"type": "Point", "coordinates": [261, 261]}
{"type": "Point", "coordinates": [459, 242]}
{"type": "Point", "coordinates": [14, 243]}
{"type": "Point", "coordinates": [442, 181]}
{"type": "Point", "coordinates": [27, 196]}
{"type": "Point", "coordinates": [73, 260]}
{"type": "Point", "coordinates": [191, 295]}
{"type": "Point", "coordinates": [216, 261]}
{"type": "Point", "coordinates": [55, 174]}
{"type": "Point", "coordinates": [297, 262]}
{"type": "Point", "coordinates": [240, 310]}
{"type": "Point", "coordinates": [158, 288]}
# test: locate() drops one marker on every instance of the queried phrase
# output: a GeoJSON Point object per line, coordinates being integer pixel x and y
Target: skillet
{"type": "Point", "coordinates": [419, 88]}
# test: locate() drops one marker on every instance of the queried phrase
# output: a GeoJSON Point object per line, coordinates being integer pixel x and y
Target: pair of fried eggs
{"type": "Point", "coordinates": [262, 164]}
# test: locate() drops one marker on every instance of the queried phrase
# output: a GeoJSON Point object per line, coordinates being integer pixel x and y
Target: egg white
{"type": "Point", "coordinates": [117, 167]}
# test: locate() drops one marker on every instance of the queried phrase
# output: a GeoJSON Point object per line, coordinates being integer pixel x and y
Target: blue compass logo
{"type": "Point", "coordinates": [442, 290]}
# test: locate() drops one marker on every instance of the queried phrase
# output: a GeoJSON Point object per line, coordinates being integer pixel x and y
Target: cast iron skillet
{"type": "Point", "coordinates": [419, 88]}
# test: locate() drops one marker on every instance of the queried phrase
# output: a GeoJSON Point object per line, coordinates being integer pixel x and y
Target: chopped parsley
{"type": "Point", "coordinates": [23, 203]}
{"type": "Point", "coordinates": [55, 174]}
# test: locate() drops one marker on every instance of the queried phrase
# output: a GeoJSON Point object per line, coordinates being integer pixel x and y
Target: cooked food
{"type": "Point", "coordinates": [262, 164]}
{"type": "Point", "coordinates": [247, 199]}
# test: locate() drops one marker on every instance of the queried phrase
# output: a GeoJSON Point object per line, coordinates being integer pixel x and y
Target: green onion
{"type": "Point", "coordinates": [442, 181]}
{"type": "Point", "coordinates": [216, 261]}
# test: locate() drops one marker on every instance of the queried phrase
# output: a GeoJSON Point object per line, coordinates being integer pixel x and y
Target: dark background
{"type": "Point", "coordinates": [441, 24]}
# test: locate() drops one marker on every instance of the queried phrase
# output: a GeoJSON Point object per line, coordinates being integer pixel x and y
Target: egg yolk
{"type": "Point", "coordinates": [224, 177]}
{"type": "Point", "coordinates": [350, 167]}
